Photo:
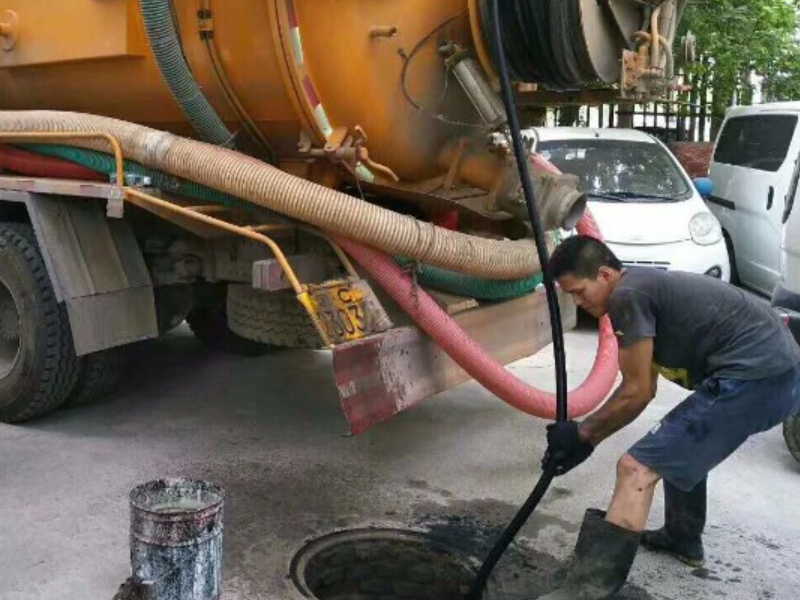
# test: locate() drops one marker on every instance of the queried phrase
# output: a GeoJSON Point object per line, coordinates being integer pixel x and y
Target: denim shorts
{"type": "Point", "coordinates": [715, 420]}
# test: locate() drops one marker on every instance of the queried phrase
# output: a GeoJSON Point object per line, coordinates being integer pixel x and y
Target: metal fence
{"type": "Point", "coordinates": [684, 117]}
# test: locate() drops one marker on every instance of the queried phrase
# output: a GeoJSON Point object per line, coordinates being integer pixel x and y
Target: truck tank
{"type": "Point", "coordinates": [407, 74]}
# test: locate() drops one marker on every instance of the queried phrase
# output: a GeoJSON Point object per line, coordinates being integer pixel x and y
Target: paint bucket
{"type": "Point", "coordinates": [176, 539]}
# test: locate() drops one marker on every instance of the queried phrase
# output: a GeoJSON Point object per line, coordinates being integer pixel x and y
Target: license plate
{"type": "Point", "coordinates": [348, 311]}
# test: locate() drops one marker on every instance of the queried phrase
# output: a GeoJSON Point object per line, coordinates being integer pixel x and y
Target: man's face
{"type": "Point", "coordinates": [590, 294]}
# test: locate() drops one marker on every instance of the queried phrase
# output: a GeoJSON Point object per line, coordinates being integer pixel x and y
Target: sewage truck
{"type": "Point", "coordinates": [293, 173]}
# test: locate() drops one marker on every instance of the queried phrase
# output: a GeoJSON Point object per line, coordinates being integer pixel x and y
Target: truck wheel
{"type": "Point", "coordinates": [38, 366]}
{"type": "Point", "coordinates": [274, 318]}
{"type": "Point", "coordinates": [99, 375]}
{"type": "Point", "coordinates": [210, 325]}
{"type": "Point", "coordinates": [791, 433]}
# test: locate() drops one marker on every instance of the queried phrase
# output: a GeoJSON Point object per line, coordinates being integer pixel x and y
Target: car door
{"type": "Point", "coordinates": [790, 236]}
{"type": "Point", "coordinates": [752, 173]}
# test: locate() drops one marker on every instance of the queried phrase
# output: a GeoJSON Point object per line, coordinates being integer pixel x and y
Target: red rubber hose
{"type": "Point", "coordinates": [36, 165]}
{"type": "Point", "coordinates": [440, 326]}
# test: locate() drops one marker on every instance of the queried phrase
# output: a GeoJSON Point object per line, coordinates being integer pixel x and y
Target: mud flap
{"type": "Point", "coordinates": [96, 269]}
{"type": "Point", "coordinates": [382, 375]}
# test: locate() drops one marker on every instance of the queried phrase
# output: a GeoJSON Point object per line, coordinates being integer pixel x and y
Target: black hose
{"type": "Point", "coordinates": [544, 42]}
{"type": "Point", "coordinates": [543, 484]}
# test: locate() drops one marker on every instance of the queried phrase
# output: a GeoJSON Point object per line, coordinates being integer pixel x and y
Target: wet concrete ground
{"type": "Point", "coordinates": [269, 430]}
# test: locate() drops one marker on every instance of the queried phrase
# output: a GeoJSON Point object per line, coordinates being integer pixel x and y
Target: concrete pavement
{"type": "Point", "coordinates": [269, 430]}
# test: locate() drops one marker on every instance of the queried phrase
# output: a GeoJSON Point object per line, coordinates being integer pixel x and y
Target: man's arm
{"type": "Point", "coordinates": [630, 398]}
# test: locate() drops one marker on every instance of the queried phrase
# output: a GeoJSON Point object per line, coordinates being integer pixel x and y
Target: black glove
{"type": "Point", "coordinates": [565, 448]}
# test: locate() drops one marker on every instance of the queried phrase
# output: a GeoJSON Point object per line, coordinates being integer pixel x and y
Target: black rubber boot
{"type": "Point", "coordinates": [684, 522]}
{"type": "Point", "coordinates": [603, 557]}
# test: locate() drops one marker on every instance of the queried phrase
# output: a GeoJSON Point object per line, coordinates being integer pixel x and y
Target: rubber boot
{"type": "Point", "coordinates": [603, 557]}
{"type": "Point", "coordinates": [684, 522]}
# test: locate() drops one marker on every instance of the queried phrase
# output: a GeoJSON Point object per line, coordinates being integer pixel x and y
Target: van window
{"type": "Point", "coordinates": [757, 142]}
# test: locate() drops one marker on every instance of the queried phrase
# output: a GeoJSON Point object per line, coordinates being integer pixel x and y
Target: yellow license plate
{"type": "Point", "coordinates": [348, 311]}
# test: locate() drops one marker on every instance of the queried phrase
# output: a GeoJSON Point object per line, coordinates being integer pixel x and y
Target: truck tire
{"type": "Point", "coordinates": [38, 366]}
{"type": "Point", "coordinates": [791, 433]}
{"type": "Point", "coordinates": [274, 318]}
{"type": "Point", "coordinates": [99, 374]}
{"type": "Point", "coordinates": [210, 325]}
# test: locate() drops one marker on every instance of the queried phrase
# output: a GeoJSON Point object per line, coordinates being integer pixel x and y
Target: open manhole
{"type": "Point", "coordinates": [381, 564]}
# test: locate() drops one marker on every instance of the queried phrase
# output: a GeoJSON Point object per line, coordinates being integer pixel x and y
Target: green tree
{"type": "Point", "coordinates": [738, 38]}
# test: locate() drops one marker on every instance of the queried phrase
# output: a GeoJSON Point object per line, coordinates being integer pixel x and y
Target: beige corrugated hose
{"type": "Point", "coordinates": [267, 186]}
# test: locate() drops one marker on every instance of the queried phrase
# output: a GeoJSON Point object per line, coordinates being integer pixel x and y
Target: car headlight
{"type": "Point", "coordinates": [704, 229]}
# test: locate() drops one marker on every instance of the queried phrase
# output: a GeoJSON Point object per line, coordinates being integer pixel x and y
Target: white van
{"type": "Point", "coordinates": [754, 171]}
{"type": "Point", "coordinates": [787, 290]}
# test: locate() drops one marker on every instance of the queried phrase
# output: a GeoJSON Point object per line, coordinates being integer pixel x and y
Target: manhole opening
{"type": "Point", "coordinates": [381, 565]}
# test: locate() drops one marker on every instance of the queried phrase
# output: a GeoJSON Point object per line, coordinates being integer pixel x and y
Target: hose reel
{"type": "Point", "coordinates": [571, 44]}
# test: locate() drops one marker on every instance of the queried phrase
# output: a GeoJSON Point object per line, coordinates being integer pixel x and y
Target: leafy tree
{"type": "Point", "coordinates": [739, 38]}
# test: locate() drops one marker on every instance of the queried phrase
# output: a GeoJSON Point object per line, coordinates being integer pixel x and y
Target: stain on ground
{"type": "Point", "coordinates": [767, 543]}
{"type": "Point", "coordinates": [705, 574]}
{"type": "Point", "coordinates": [559, 493]}
{"type": "Point", "coordinates": [418, 484]}
{"type": "Point", "coordinates": [472, 528]}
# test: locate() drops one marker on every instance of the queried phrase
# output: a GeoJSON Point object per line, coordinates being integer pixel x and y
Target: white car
{"type": "Point", "coordinates": [648, 209]}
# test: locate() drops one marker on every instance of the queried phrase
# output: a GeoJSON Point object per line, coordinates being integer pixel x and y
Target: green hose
{"type": "Point", "coordinates": [104, 163]}
{"type": "Point", "coordinates": [472, 287]}
{"type": "Point", "coordinates": [166, 47]}
{"type": "Point", "coordinates": [429, 276]}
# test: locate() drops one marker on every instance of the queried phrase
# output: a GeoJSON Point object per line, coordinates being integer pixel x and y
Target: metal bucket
{"type": "Point", "coordinates": [176, 539]}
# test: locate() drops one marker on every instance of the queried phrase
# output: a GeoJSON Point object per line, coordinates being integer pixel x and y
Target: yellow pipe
{"type": "Point", "coordinates": [224, 225]}
{"type": "Point", "coordinates": [249, 232]}
{"type": "Point", "coordinates": [209, 208]}
{"type": "Point", "coordinates": [343, 258]}
{"type": "Point", "coordinates": [195, 212]}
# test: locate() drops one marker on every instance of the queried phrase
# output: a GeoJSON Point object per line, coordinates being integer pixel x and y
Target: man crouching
{"type": "Point", "coordinates": [731, 350]}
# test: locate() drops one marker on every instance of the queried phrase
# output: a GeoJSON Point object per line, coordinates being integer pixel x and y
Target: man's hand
{"type": "Point", "coordinates": [565, 448]}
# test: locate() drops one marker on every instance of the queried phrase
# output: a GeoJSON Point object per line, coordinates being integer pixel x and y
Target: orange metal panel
{"type": "Point", "coordinates": [358, 75]}
{"type": "Point", "coordinates": [129, 86]}
{"type": "Point", "coordinates": [52, 32]}
{"type": "Point", "coordinates": [313, 65]}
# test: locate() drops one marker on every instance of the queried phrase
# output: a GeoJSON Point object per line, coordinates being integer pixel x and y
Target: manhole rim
{"type": "Point", "coordinates": [313, 547]}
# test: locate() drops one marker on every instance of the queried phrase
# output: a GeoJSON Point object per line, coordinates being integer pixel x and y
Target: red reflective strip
{"type": "Point", "coordinates": [293, 22]}
{"type": "Point", "coordinates": [311, 92]}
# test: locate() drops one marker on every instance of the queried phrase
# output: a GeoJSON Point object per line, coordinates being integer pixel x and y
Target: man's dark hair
{"type": "Point", "coordinates": [582, 256]}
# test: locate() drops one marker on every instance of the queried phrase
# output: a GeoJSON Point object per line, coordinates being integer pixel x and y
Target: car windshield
{"type": "Point", "coordinates": [619, 171]}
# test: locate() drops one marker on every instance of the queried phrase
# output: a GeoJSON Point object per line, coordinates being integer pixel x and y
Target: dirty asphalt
{"type": "Point", "coordinates": [269, 430]}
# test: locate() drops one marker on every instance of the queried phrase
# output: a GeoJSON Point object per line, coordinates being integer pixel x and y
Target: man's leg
{"type": "Point", "coordinates": [684, 523]}
{"type": "Point", "coordinates": [608, 542]}
{"type": "Point", "coordinates": [695, 437]}
{"type": "Point", "coordinates": [633, 494]}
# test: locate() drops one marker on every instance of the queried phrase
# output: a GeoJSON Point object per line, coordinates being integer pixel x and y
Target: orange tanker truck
{"type": "Point", "coordinates": [291, 173]}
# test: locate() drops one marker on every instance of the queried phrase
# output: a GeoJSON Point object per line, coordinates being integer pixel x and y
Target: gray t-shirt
{"type": "Point", "coordinates": [701, 327]}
